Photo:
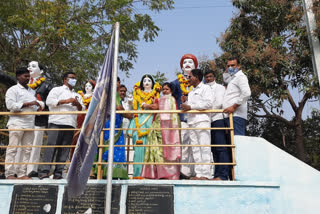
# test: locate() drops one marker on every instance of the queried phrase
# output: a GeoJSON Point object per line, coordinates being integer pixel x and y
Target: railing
{"type": "Point", "coordinates": [101, 145]}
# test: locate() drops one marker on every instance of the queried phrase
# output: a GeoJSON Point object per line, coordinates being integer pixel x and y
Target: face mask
{"type": "Point", "coordinates": [227, 77]}
{"type": "Point", "coordinates": [211, 83]}
{"type": "Point", "coordinates": [232, 71]}
{"type": "Point", "coordinates": [72, 82]}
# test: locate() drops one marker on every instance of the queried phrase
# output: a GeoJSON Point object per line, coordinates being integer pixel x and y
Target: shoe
{"type": "Point", "coordinates": [24, 178]}
{"type": "Point", "coordinates": [194, 178]}
{"type": "Point", "coordinates": [57, 177]}
{"type": "Point", "coordinates": [203, 178]}
{"type": "Point", "coordinates": [33, 174]}
{"type": "Point", "coordinates": [217, 179]}
{"type": "Point", "coordinates": [11, 177]}
{"type": "Point", "coordinates": [43, 176]}
{"type": "Point", "coordinates": [184, 177]}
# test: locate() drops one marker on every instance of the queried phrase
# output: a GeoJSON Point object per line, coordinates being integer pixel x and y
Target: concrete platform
{"type": "Point", "coordinates": [268, 180]}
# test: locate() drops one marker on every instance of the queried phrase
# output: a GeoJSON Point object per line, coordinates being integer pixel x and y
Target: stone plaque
{"type": "Point", "coordinates": [40, 199]}
{"type": "Point", "coordinates": [150, 199]}
{"type": "Point", "coordinates": [92, 200]}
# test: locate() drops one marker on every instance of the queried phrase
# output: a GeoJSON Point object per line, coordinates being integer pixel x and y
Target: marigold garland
{"type": "Point", "coordinates": [85, 101]}
{"type": "Point", "coordinates": [183, 84]}
{"type": "Point", "coordinates": [37, 83]}
{"type": "Point", "coordinates": [140, 97]}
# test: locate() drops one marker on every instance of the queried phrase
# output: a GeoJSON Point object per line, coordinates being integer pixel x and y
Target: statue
{"type": "Point", "coordinates": [181, 88]}
{"type": "Point", "coordinates": [145, 93]}
{"type": "Point", "coordinates": [42, 88]}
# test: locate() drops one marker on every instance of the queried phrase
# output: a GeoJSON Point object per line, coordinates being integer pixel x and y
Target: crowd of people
{"type": "Point", "coordinates": [192, 90]}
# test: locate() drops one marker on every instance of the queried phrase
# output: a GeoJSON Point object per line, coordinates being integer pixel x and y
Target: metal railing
{"type": "Point", "coordinates": [101, 145]}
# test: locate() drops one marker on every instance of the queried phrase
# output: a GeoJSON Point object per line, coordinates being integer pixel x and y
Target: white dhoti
{"type": "Point", "coordinates": [201, 154]}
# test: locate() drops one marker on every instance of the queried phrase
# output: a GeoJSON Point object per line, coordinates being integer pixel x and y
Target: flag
{"type": "Point", "coordinates": [98, 112]}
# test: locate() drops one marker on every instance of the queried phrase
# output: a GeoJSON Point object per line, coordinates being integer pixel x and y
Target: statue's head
{"type": "Point", "coordinates": [188, 62]}
{"type": "Point", "coordinates": [147, 83]}
{"type": "Point", "coordinates": [35, 69]}
{"type": "Point", "coordinates": [89, 86]}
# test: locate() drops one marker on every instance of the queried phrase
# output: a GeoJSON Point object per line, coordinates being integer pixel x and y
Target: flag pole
{"type": "Point", "coordinates": [112, 120]}
{"type": "Point", "coordinates": [313, 39]}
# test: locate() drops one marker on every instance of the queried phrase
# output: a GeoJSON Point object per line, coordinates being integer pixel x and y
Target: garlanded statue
{"type": "Point", "coordinates": [145, 93]}
{"type": "Point", "coordinates": [42, 88]}
{"type": "Point", "coordinates": [182, 87]}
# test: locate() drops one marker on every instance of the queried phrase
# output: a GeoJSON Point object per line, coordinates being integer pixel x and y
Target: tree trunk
{"type": "Point", "coordinates": [299, 138]}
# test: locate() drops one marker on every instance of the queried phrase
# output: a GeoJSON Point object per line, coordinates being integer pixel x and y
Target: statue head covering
{"type": "Point", "coordinates": [189, 56]}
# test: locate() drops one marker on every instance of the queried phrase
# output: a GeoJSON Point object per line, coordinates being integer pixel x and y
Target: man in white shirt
{"type": "Point", "coordinates": [20, 98]}
{"type": "Point", "coordinates": [236, 96]}
{"type": "Point", "coordinates": [199, 98]}
{"type": "Point", "coordinates": [218, 137]}
{"type": "Point", "coordinates": [61, 99]}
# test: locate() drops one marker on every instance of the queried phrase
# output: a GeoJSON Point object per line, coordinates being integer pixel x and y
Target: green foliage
{"type": "Point", "coordinates": [66, 35]}
{"type": "Point", "coordinates": [283, 136]}
{"type": "Point", "coordinates": [160, 78]}
{"type": "Point", "coordinates": [271, 40]}
{"type": "Point", "coordinates": [312, 138]}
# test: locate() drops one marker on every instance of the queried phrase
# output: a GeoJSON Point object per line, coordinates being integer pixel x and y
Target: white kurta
{"type": "Point", "coordinates": [16, 96]}
{"type": "Point", "coordinates": [199, 98]}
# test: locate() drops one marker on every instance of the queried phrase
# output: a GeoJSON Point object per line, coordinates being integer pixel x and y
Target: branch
{"type": "Point", "coordinates": [304, 101]}
{"type": "Point", "coordinates": [274, 116]}
{"type": "Point", "coordinates": [271, 115]}
{"type": "Point", "coordinates": [7, 79]}
{"type": "Point", "coordinates": [291, 101]}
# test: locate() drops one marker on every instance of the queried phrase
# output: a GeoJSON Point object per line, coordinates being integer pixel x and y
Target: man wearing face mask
{"type": "Point", "coordinates": [220, 154]}
{"type": "Point", "coordinates": [42, 89]}
{"type": "Point", "coordinates": [236, 95]}
{"type": "Point", "coordinates": [61, 99]}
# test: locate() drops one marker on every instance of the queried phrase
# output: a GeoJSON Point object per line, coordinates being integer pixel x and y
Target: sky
{"type": "Point", "coordinates": [192, 27]}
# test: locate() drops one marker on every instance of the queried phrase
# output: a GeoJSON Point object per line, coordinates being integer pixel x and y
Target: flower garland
{"type": "Point", "coordinates": [140, 97]}
{"type": "Point", "coordinates": [85, 101]}
{"type": "Point", "coordinates": [37, 83]}
{"type": "Point", "coordinates": [183, 84]}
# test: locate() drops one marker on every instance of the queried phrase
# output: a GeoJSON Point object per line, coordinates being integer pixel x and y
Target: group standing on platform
{"type": "Point", "coordinates": [163, 143]}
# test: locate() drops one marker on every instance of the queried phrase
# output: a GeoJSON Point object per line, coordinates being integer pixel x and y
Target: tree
{"type": "Point", "coordinates": [312, 138]}
{"type": "Point", "coordinates": [67, 35]}
{"type": "Point", "coordinates": [271, 40]}
{"type": "Point", "coordinates": [283, 136]}
{"type": "Point", "coordinates": [160, 78]}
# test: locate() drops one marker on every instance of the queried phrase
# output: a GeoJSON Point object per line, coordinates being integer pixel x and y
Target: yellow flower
{"type": "Point", "coordinates": [183, 84]}
{"type": "Point", "coordinates": [140, 97]}
{"type": "Point", "coordinates": [85, 101]}
{"type": "Point", "coordinates": [37, 83]}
